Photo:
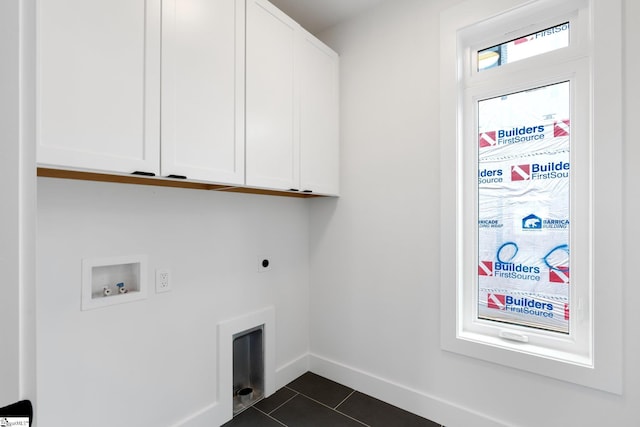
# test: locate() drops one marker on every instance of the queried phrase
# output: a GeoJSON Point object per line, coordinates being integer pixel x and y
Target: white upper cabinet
{"type": "Point", "coordinates": [291, 105]}
{"type": "Point", "coordinates": [271, 128]}
{"type": "Point", "coordinates": [98, 74]}
{"type": "Point", "coordinates": [203, 90]}
{"type": "Point", "coordinates": [230, 92]}
{"type": "Point", "coordinates": [319, 117]}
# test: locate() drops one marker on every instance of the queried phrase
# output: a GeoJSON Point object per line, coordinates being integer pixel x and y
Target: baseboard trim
{"type": "Point", "coordinates": [292, 370]}
{"type": "Point", "coordinates": [439, 410]}
{"type": "Point", "coordinates": [215, 415]}
{"type": "Point", "coordinates": [211, 415]}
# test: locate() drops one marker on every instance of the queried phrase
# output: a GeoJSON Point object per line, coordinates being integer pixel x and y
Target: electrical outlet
{"type": "Point", "coordinates": [264, 264]}
{"type": "Point", "coordinates": [163, 280]}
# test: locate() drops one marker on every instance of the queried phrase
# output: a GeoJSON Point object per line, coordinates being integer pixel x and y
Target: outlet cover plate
{"type": "Point", "coordinates": [163, 280]}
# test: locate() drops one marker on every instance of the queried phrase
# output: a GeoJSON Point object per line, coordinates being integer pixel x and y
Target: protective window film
{"type": "Point", "coordinates": [523, 208]}
{"type": "Point", "coordinates": [525, 47]}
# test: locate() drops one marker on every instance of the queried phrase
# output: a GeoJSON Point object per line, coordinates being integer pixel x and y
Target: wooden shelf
{"type": "Point", "coordinates": [163, 182]}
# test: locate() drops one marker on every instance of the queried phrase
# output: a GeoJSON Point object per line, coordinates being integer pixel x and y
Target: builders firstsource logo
{"type": "Point", "coordinates": [511, 136]}
{"type": "Point", "coordinates": [561, 128]}
{"type": "Point", "coordinates": [488, 176]}
{"type": "Point", "coordinates": [522, 305]}
{"type": "Point", "coordinates": [485, 268]}
{"type": "Point", "coordinates": [509, 270]}
{"type": "Point", "coordinates": [515, 135]}
{"type": "Point", "coordinates": [559, 275]}
{"type": "Point", "coordinates": [536, 171]}
{"type": "Point", "coordinates": [487, 139]}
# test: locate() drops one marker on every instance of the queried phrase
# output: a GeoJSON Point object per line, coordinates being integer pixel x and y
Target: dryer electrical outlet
{"type": "Point", "coordinates": [264, 264]}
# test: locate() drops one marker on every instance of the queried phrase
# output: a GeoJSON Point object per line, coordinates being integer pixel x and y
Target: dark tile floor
{"type": "Point", "coordinates": [314, 401]}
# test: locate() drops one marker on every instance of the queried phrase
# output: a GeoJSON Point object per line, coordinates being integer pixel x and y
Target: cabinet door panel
{"type": "Point", "coordinates": [270, 114]}
{"type": "Point", "coordinates": [202, 90]}
{"type": "Point", "coordinates": [97, 88]}
{"type": "Point", "coordinates": [319, 133]}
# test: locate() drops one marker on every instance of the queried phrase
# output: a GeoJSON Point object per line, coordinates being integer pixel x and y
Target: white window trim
{"type": "Point", "coordinates": [598, 362]}
{"type": "Point", "coordinates": [567, 64]}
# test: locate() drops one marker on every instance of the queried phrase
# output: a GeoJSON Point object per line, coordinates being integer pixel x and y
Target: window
{"type": "Point", "coordinates": [526, 138]}
{"type": "Point", "coordinates": [523, 233]}
{"type": "Point", "coordinates": [537, 43]}
{"type": "Point", "coordinates": [522, 281]}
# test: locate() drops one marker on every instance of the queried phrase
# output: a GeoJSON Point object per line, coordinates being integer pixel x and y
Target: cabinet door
{"type": "Point", "coordinates": [203, 90]}
{"type": "Point", "coordinates": [98, 77]}
{"type": "Point", "coordinates": [272, 124]}
{"type": "Point", "coordinates": [318, 68]}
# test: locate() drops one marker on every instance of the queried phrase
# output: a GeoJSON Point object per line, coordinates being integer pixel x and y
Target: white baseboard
{"type": "Point", "coordinates": [209, 416]}
{"type": "Point", "coordinates": [215, 415]}
{"type": "Point", "coordinates": [292, 370]}
{"type": "Point", "coordinates": [427, 406]}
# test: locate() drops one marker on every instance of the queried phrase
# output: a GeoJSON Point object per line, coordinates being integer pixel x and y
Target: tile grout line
{"type": "Point", "coordinates": [362, 422]}
{"type": "Point", "coordinates": [329, 407]}
{"type": "Point", "coordinates": [345, 399]}
{"type": "Point", "coordinates": [354, 419]}
{"type": "Point", "coordinates": [282, 404]}
{"type": "Point", "coordinates": [269, 416]}
{"type": "Point", "coordinates": [333, 409]}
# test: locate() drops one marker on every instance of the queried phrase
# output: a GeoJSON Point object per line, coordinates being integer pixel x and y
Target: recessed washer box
{"type": "Point", "coordinates": [114, 280]}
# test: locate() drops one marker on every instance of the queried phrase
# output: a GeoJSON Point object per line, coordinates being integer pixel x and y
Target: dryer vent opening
{"type": "Point", "coordinates": [248, 368]}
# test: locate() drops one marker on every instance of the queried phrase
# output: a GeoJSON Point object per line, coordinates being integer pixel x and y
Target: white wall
{"type": "Point", "coordinates": [373, 259]}
{"type": "Point", "coordinates": [374, 252]}
{"type": "Point", "coordinates": [9, 194]}
{"type": "Point", "coordinates": [17, 212]}
{"type": "Point", "coordinates": [153, 362]}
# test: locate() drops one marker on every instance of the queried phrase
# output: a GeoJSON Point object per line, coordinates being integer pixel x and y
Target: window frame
{"type": "Point", "coordinates": [575, 347]}
{"type": "Point", "coordinates": [581, 356]}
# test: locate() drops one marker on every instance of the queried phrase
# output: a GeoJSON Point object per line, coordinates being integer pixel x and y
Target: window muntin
{"type": "Point", "coordinates": [533, 44]}
{"type": "Point", "coordinates": [523, 208]}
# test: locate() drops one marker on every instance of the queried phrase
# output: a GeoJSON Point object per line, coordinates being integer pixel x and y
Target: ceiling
{"type": "Point", "coordinates": [318, 15]}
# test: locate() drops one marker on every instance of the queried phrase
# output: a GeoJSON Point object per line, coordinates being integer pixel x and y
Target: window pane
{"type": "Point", "coordinates": [525, 47]}
{"type": "Point", "coordinates": [523, 208]}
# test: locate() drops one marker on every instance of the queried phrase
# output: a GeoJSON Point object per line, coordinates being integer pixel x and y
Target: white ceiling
{"type": "Point", "coordinates": [317, 15]}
